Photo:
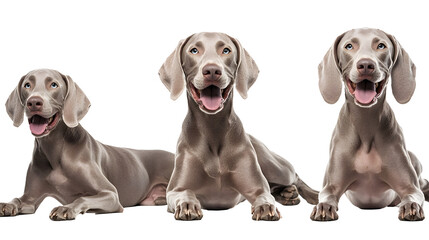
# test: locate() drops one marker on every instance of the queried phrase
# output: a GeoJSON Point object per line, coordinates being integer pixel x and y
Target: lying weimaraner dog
{"type": "Point", "coordinates": [369, 161]}
{"type": "Point", "coordinates": [217, 164]}
{"type": "Point", "coordinates": [69, 165]}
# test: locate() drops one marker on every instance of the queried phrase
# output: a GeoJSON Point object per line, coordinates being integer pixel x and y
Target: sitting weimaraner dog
{"type": "Point", "coordinates": [217, 164]}
{"type": "Point", "coordinates": [369, 161]}
{"type": "Point", "coordinates": [69, 165]}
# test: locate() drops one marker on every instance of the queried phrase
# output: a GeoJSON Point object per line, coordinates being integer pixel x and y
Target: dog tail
{"type": "Point", "coordinates": [310, 195]}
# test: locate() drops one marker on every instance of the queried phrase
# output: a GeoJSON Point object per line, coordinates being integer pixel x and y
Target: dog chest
{"type": "Point", "coordinates": [57, 177]}
{"type": "Point", "coordinates": [367, 162]}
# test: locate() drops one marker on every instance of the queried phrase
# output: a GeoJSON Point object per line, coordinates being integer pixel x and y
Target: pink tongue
{"type": "Point", "coordinates": [365, 92]}
{"type": "Point", "coordinates": [211, 97]}
{"type": "Point", "coordinates": [38, 129]}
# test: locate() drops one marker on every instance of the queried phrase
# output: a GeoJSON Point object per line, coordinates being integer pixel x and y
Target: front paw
{"type": "Point", "coordinates": [188, 211]}
{"type": "Point", "coordinates": [62, 213]}
{"type": "Point", "coordinates": [266, 212]}
{"type": "Point", "coordinates": [324, 212]}
{"type": "Point", "coordinates": [8, 209]}
{"type": "Point", "coordinates": [411, 211]}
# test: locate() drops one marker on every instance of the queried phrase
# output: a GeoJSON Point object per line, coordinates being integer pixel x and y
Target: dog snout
{"type": "Point", "coordinates": [35, 103]}
{"type": "Point", "coordinates": [212, 72]}
{"type": "Point", "coordinates": [365, 66]}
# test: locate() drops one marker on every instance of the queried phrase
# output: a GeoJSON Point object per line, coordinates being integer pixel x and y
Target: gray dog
{"type": "Point", "coordinates": [369, 161]}
{"type": "Point", "coordinates": [217, 164]}
{"type": "Point", "coordinates": [69, 165]}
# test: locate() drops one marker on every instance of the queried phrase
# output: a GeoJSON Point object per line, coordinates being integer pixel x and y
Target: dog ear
{"type": "Point", "coordinates": [171, 72]}
{"type": "Point", "coordinates": [330, 74]}
{"type": "Point", "coordinates": [76, 104]}
{"type": "Point", "coordinates": [403, 73]}
{"type": "Point", "coordinates": [247, 70]}
{"type": "Point", "coordinates": [15, 106]}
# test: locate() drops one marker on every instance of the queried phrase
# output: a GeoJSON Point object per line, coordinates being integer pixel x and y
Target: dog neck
{"type": "Point", "coordinates": [366, 121]}
{"type": "Point", "coordinates": [212, 125]}
{"type": "Point", "coordinates": [50, 147]}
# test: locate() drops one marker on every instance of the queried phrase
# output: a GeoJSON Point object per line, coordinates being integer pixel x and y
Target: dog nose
{"type": "Point", "coordinates": [35, 103]}
{"type": "Point", "coordinates": [212, 72]}
{"type": "Point", "coordinates": [365, 66]}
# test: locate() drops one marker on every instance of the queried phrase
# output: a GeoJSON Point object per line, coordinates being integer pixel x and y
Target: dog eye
{"type": "Point", "coordinates": [54, 85]}
{"type": "Point", "coordinates": [194, 51]}
{"type": "Point", "coordinates": [27, 85]}
{"type": "Point", "coordinates": [226, 51]}
{"type": "Point", "coordinates": [349, 46]}
{"type": "Point", "coordinates": [381, 46]}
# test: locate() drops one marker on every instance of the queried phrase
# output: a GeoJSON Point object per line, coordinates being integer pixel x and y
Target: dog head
{"type": "Point", "coordinates": [47, 97]}
{"type": "Point", "coordinates": [364, 59]}
{"type": "Point", "coordinates": [209, 64]}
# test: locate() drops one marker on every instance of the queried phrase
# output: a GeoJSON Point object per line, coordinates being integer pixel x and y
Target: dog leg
{"type": "Point", "coordinates": [424, 184]}
{"type": "Point", "coordinates": [184, 205]}
{"type": "Point", "coordinates": [405, 183]}
{"type": "Point", "coordinates": [103, 202]}
{"type": "Point", "coordinates": [326, 209]}
{"type": "Point", "coordinates": [35, 191]}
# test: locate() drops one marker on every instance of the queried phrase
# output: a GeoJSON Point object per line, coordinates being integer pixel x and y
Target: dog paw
{"type": "Point", "coordinates": [62, 213]}
{"type": "Point", "coordinates": [266, 212]}
{"type": "Point", "coordinates": [188, 211]}
{"type": "Point", "coordinates": [7, 209]}
{"type": "Point", "coordinates": [324, 212]}
{"type": "Point", "coordinates": [287, 195]}
{"type": "Point", "coordinates": [411, 211]}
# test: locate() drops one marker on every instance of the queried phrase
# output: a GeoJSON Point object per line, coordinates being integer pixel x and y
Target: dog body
{"type": "Point", "coordinates": [369, 161]}
{"type": "Point", "coordinates": [70, 165]}
{"type": "Point", "coordinates": [217, 164]}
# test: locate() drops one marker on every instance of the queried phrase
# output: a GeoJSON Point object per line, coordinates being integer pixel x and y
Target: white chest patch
{"type": "Point", "coordinates": [57, 177]}
{"type": "Point", "coordinates": [367, 162]}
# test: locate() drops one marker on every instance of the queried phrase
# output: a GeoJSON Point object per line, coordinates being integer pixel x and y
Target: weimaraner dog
{"type": "Point", "coordinates": [69, 165]}
{"type": "Point", "coordinates": [217, 164]}
{"type": "Point", "coordinates": [369, 161]}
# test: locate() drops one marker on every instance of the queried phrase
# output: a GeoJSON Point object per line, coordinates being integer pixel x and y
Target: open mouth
{"type": "Point", "coordinates": [365, 92]}
{"type": "Point", "coordinates": [40, 126]}
{"type": "Point", "coordinates": [211, 98]}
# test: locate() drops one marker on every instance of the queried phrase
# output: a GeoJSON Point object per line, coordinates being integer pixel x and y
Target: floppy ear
{"type": "Point", "coordinates": [171, 72]}
{"type": "Point", "coordinates": [247, 70]}
{"type": "Point", "coordinates": [76, 104]}
{"type": "Point", "coordinates": [403, 73]}
{"type": "Point", "coordinates": [330, 74]}
{"type": "Point", "coordinates": [15, 106]}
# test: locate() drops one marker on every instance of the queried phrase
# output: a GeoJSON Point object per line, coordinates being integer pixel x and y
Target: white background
{"type": "Point", "coordinates": [113, 50]}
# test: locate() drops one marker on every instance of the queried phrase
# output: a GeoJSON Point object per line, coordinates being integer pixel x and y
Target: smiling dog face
{"type": "Point", "coordinates": [364, 59]}
{"type": "Point", "coordinates": [47, 97]}
{"type": "Point", "coordinates": [209, 64]}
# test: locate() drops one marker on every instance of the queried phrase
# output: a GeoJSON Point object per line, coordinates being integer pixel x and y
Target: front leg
{"type": "Point", "coordinates": [338, 178]}
{"type": "Point", "coordinates": [87, 178]}
{"type": "Point", "coordinates": [185, 205]}
{"type": "Point", "coordinates": [18, 206]}
{"type": "Point", "coordinates": [35, 191]}
{"type": "Point", "coordinates": [103, 202]}
{"type": "Point", "coordinates": [326, 209]}
{"type": "Point", "coordinates": [187, 175]}
{"type": "Point", "coordinates": [403, 178]}
{"type": "Point", "coordinates": [248, 180]}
